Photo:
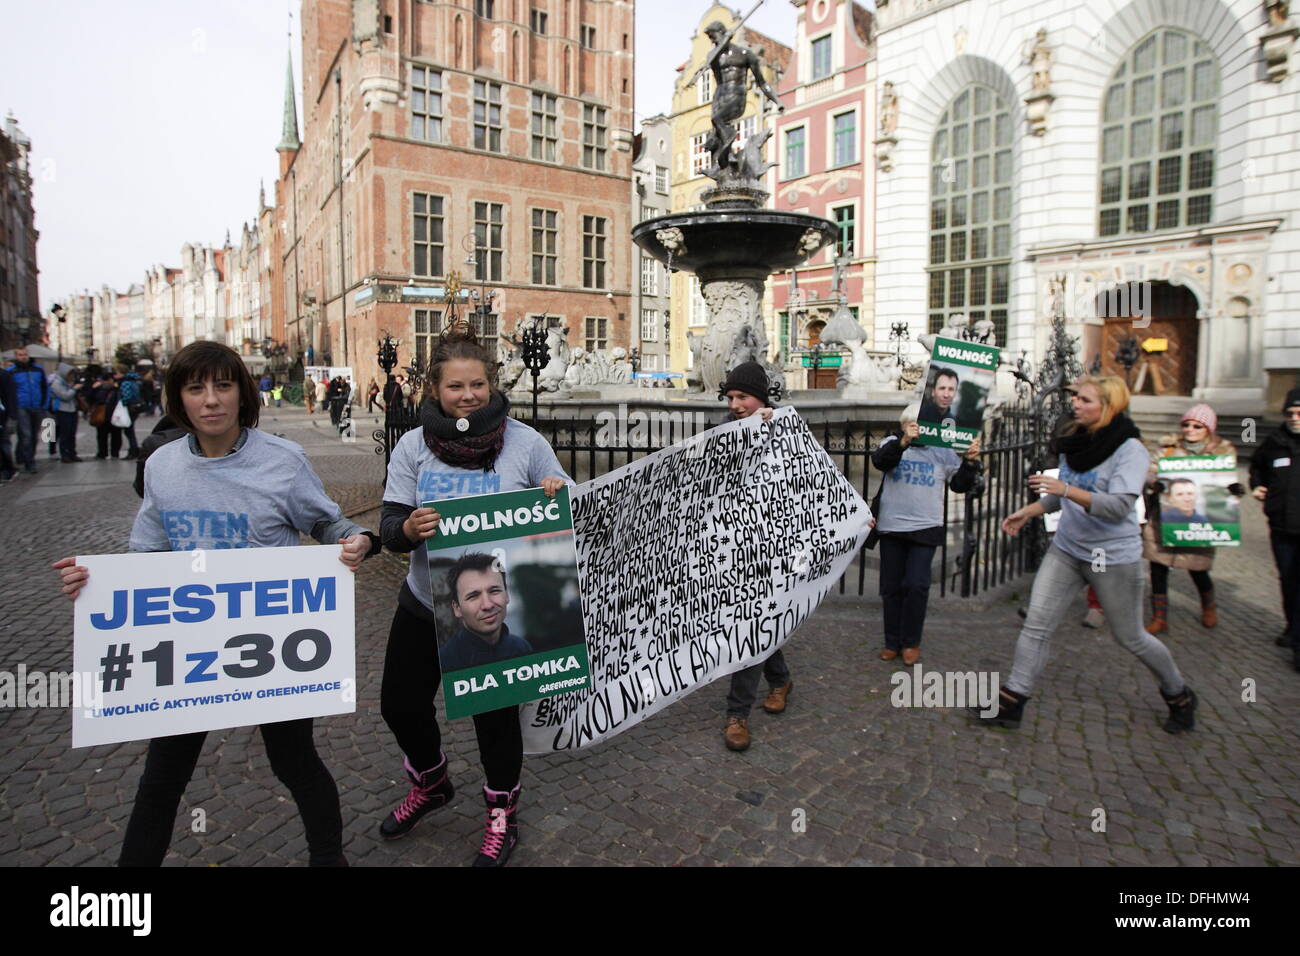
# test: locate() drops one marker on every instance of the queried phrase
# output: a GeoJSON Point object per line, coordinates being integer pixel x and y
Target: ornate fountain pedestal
{"type": "Point", "coordinates": [733, 247]}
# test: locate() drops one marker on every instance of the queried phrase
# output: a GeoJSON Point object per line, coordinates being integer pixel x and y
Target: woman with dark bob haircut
{"type": "Point", "coordinates": [226, 464]}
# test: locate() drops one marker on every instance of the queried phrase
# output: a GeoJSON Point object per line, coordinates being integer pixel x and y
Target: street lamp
{"type": "Point", "coordinates": [535, 354]}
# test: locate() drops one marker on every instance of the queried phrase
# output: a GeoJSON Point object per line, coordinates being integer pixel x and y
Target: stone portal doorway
{"type": "Point", "coordinates": [1167, 348]}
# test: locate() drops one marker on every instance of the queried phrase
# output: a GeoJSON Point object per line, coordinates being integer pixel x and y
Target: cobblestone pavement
{"type": "Point", "coordinates": [843, 777]}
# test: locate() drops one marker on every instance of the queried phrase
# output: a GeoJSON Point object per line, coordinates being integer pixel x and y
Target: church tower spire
{"type": "Point", "coordinates": [289, 128]}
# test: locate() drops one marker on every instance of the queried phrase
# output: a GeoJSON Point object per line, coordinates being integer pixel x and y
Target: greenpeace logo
{"type": "Point", "coordinates": [75, 909]}
{"type": "Point", "coordinates": [968, 356]}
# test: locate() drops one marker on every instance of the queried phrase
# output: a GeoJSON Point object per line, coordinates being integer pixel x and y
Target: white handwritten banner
{"type": "Point", "coordinates": [698, 561]}
{"type": "Point", "coordinates": [183, 641]}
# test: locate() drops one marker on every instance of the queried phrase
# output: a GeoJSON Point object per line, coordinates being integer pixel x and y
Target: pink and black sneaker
{"type": "Point", "coordinates": [502, 830]}
{"type": "Point", "coordinates": [431, 789]}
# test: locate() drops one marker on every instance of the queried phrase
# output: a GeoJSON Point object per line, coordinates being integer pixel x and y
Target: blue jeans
{"type": "Point", "coordinates": [29, 426]}
{"type": "Point", "coordinates": [904, 589]}
{"type": "Point", "coordinates": [1119, 589]}
{"type": "Point", "coordinates": [744, 684]}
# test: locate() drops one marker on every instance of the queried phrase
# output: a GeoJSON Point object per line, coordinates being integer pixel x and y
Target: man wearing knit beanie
{"type": "Point", "coordinates": [1275, 480]}
{"type": "Point", "coordinates": [749, 378]}
{"type": "Point", "coordinates": [746, 391]}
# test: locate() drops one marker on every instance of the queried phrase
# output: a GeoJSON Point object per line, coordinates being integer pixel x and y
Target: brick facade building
{"type": "Point", "coordinates": [489, 138]}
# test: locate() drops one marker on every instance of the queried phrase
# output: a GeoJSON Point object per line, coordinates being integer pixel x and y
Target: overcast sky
{"type": "Point", "coordinates": [152, 121]}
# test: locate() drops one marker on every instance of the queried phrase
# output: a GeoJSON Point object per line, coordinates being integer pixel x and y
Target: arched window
{"type": "Point", "coordinates": [970, 211]}
{"type": "Point", "coordinates": [1159, 123]}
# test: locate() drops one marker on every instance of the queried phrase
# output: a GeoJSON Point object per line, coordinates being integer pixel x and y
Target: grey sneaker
{"type": "Point", "coordinates": [1095, 617]}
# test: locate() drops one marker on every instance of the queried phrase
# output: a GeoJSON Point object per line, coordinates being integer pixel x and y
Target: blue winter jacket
{"type": "Point", "coordinates": [29, 380]}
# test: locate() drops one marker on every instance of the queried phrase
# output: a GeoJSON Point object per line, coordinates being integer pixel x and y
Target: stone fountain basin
{"type": "Point", "coordinates": [732, 242]}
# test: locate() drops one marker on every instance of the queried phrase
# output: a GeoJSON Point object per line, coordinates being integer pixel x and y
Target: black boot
{"type": "Point", "coordinates": [501, 832]}
{"type": "Point", "coordinates": [1181, 708]}
{"type": "Point", "coordinates": [1011, 707]}
{"type": "Point", "coordinates": [431, 790]}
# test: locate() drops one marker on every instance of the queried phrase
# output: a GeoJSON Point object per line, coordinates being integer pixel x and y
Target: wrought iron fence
{"type": "Point", "coordinates": [975, 557]}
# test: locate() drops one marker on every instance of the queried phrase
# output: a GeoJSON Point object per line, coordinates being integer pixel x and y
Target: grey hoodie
{"type": "Point", "coordinates": [63, 397]}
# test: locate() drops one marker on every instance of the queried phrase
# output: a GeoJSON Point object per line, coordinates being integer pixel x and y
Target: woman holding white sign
{"type": "Point", "coordinates": [1198, 438]}
{"type": "Point", "coordinates": [268, 494]}
{"type": "Point", "coordinates": [467, 445]}
{"type": "Point", "coordinates": [1103, 468]}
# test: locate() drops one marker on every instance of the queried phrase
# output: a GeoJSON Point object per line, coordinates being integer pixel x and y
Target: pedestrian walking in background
{"type": "Point", "coordinates": [1275, 480]}
{"type": "Point", "coordinates": [322, 392]}
{"type": "Point", "coordinates": [32, 403]}
{"type": "Point", "coordinates": [466, 434]}
{"type": "Point", "coordinates": [309, 394]}
{"type": "Point", "coordinates": [334, 399]}
{"type": "Point", "coordinates": [266, 483]}
{"type": "Point", "coordinates": [277, 395]}
{"type": "Point", "coordinates": [372, 395]}
{"type": "Point", "coordinates": [1103, 468]}
{"type": "Point", "coordinates": [393, 394]}
{"type": "Point", "coordinates": [264, 388]}
{"type": "Point", "coordinates": [747, 392]}
{"type": "Point", "coordinates": [8, 410]}
{"type": "Point", "coordinates": [128, 394]}
{"type": "Point", "coordinates": [63, 405]}
{"type": "Point", "coordinates": [103, 402]}
{"type": "Point", "coordinates": [909, 526]}
{"type": "Point", "coordinates": [1199, 436]}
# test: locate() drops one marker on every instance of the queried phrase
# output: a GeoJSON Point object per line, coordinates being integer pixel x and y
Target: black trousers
{"type": "Point", "coordinates": [1286, 553]}
{"type": "Point", "coordinates": [1160, 579]}
{"type": "Point", "coordinates": [904, 589]}
{"type": "Point", "coordinates": [106, 436]}
{"type": "Point", "coordinates": [412, 677]}
{"type": "Point", "coordinates": [292, 752]}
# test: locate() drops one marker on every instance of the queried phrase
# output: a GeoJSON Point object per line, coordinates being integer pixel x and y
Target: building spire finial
{"type": "Point", "coordinates": [289, 128]}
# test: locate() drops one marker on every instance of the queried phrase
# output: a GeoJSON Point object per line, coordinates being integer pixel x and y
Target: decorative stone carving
{"type": "Point", "coordinates": [1037, 103]}
{"type": "Point", "coordinates": [596, 368]}
{"type": "Point", "coordinates": [672, 240]}
{"type": "Point", "coordinates": [957, 327]}
{"type": "Point", "coordinates": [888, 137]}
{"type": "Point", "coordinates": [810, 241]}
{"type": "Point", "coordinates": [1278, 40]}
{"type": "Point", "coordinates": [735, 334]}
{"type": "Point", "coordinates": [984, 332]}
{"type": "Point", "coordinates": [553, 376]}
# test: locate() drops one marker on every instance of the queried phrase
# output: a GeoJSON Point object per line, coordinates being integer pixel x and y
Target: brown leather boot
{"type": "Point", "coordinates": [1209, 610]}
{"type": "Point", "coordinates": [775, 702]}
{"type": "Point", "coordinates": [1159, 622]}
{"type": "Point", "coordinates": [888, 654]}
{"type": "Point", "coordinates": [736, 734]}
{"type": "Point", "coordinates": [911, 655]}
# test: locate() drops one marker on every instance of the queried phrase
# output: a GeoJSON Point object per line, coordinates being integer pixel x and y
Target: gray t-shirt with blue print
{"type": "Point", "coordinates": [416, 475]}
{"type": "Point", "coordinates": [911, 498]}
{"type": "Point", "coordinates": [260, 496]}
{"type": "Point", "coordinates": [1085, 536]}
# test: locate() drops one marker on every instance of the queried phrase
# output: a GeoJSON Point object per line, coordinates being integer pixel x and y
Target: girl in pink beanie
{"type": "Point", "coordinates": [1198, 437]}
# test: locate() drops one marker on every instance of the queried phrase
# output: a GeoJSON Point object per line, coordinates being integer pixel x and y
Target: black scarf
{"type": "Point", "coordinates": [478, 445]}
{"type": "Point", "coordinates": [1085, 450]}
